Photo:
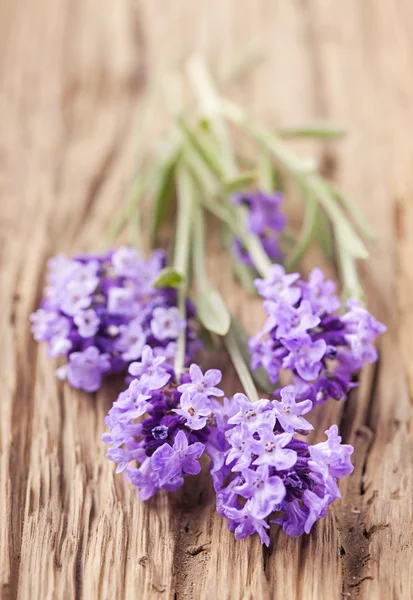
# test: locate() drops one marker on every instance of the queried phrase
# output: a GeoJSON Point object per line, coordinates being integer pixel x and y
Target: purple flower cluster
{"type": "Point", "coordinates": [264, 219]}
{"type": "Point", "coordinates": [161, 427]}
{"type": "Point", "coordinates": [305, 335]}
{"type": "Point", "coordinates": [262, 474]}
{"type": "Point", "coordinates": [100, 312]}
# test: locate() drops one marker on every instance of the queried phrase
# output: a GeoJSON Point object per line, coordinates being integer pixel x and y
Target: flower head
{"type": "Point", "coordinates": [86, 368]}
{"type": "Point", "coordinates": [304, 335]}
{"type": "Point", "coordinates": [263, 474]}
{"type": "Point", "coordinates": [157, 427]}
{"type": "Point", "coordinates": [108, 302]}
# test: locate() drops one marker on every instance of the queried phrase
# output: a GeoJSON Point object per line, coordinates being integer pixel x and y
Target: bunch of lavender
{"type": "Point", "coordinates": [263, 474]}
{"type": "Point", "coordinates": [160, 426]}
{"type": "Point", "coordinates": [264, 219]}
{"type": "Point", "coordinates": [305, 335]}
{"type": "Point", "coordinates": [101, 310]}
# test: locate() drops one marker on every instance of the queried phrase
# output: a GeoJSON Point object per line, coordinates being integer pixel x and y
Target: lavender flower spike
{"type": "Point", "coordinates": [304, 335]}
{"type": "Point", "coordinates": [100, 311]}
{"type": "Point", "coordinates": [157, 431]}
{"type": "Point", "coordinates": [263, 474]}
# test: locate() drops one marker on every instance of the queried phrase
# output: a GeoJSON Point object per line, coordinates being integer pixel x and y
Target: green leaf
{"type": "Point", "coordinates": [266, 173]}
{"type": "Point", "coordinates": [260, 376]}
{"type": "Point", "coordinates": [206, 179]}
{"type": "Point", "coordinates": [169, 278]}
{"type": "Point", "coordinates": [210, 104]}
{"type": "Point", "coordinates": [225, 236]}
{"type": "Point", "coordinates": [163, 184]}
{"type": "Point", "coordinates": [282, 152]}
{"type": "Point", "coordinates": [240, 182]}
{"type": "Point", "coordinates": [137, 188]}
{"type": "Point", "coordinates": [197, 141]}
{"type": "Point", "coordinates": [252, 243]}
{"type": "Point", "coordinates": [354, 244]}
{"type": "Point", "coordinates": [308, 230]}
{"type": "Point", "coordinates": [348, 267]}
{"type": "Point", "coordinates": [315, 130]}
{"type": "Point", "coordinates": [274, 144]}
{"type": "Point", "coordinates": [241, 366]}
{"type": "Point", "coordinates": [354, 211]}
{"type": "Point", "coordinates": [245, 274]}
{"type": "Point", "coordinates": [212, 312]}
{"type": "Point", "coordinates": [324, 234]}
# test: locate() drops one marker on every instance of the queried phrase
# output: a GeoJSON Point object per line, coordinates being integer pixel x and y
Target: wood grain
{"type": "Point", "coordinates": [72, 73]}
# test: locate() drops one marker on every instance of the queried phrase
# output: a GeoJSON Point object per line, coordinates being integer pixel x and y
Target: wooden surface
{"type": "Point", "coordinates": [71, 74]}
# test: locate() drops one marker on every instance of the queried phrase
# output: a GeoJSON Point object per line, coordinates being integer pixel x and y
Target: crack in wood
{"type": "Point", "coordinates": [355, 545]}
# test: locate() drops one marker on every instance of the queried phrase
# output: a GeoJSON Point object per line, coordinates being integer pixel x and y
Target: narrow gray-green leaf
{"type": "Point", "coordinates": [283, 154]}
{"type": "Point", "coordinates": [307, 232]}
{"type": "Point", "coordinates": [196, 142]}
{"type": "Point", "coordinates": [163, 184]}
{"type": "Point", "coordinates": [355, 212]}
{"type": "Point", "coordinates": [348, 268]}
{"type": "Point", "coordinates": [314, 130]}
{"type": "Point", "coordinates": [351, 240]}
{"type": "Point", "coordinates": [253, 244]}
{"type": "Point", "coordinates": [136, 190]}
{"type": "Point", "coordinates": [210, 103]}
{"type": "Point", "coordinates": [324, 234]}
{"type": "Point", "coordinates": [266, 179]}
{"type": "Point", "coordinates": [170, 278]}
{"type": "Point", "coordinates": [245, 275]}
{"type": "Point", "coordinates": [240, 366]}
{"type": "Point", "coordinates": [260, 376]}
{"type": "Point", "coordinates": [212, 312]}
{"type": "Point", "coordinates": [240, 182]}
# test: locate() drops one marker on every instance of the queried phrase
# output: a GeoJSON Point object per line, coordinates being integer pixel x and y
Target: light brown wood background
{"type": "Point", "coordinates": [72, 72]}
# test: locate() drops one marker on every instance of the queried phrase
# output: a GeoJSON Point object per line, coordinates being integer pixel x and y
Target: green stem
{"type": "Point", "coordinates": [348, 268]}
{"type": "Point", "coordinates": [265, 172]}
{"type": "Point", "coordinates": [199, 248]}
{"type": "Point", "coordinates": [240, 366]}
{"type": "Point", "coordinates": [307, 232]}
{"type": "Point", "coordinates": [131, 205]}
{"type": "Point", "coordinates": [253, 245]}
{"type": "Point", "coordinates": [210, 102]}
{"type": "Point", "coordinates": [181, 258]}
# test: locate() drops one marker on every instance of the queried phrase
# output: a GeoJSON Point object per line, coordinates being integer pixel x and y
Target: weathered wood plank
{"type": "Point", "coordinates": [72, 73]}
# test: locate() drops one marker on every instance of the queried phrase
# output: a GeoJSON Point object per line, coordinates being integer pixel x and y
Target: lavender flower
{"type": "Point", "coordinates": [100, 312]}
{"type": "Point", "coordinates": [304, 335]}
{"type": "Point", "coordinates": [177, 460]}
{"type": "Point", "coordinates": [263, 474]}
{"type": "Point", "coordinates": [85, 369]}
{"type": "Point", "coordinates": [264, 220]}
{"type": "Point", "coordinates": [158, 430]}
{"type": "Point", "coordinates": [289, 412]}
